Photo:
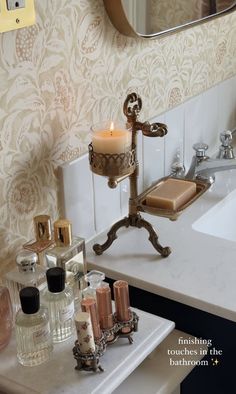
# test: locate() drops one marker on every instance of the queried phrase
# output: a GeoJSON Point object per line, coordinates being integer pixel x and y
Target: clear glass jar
{"type": "Point", "coordinates": [95, 280]}
{"type": "Point", "coordinates": [6, 317]}
{"type": "Point", "coordinates": [59, 299]}
{"type": "Point", "coordinates": [33, 336]}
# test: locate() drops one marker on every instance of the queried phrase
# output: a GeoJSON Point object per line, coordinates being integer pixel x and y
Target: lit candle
{"type": "Point", "coordinates": [111, 138]}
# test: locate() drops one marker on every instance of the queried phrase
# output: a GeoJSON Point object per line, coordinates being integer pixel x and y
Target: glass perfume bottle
{"type": "Point", "coordinates": [95, 280]}
{"type": "Point", "coordinates": [69, 254]}
{"type": "Point", "coordinates": [26, 273]}
{"type": "Point", "coordinates": [33, 336]}
{"type": "Point", "coordinates": [59, 300]}
{"type": "Point", "coordinates": [6, 317]}
{"type": "Point", "coordinates": [43, 237]}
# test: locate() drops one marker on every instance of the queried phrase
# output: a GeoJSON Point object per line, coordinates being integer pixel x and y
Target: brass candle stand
{"type": "Point", "coordinates": [120, 166]}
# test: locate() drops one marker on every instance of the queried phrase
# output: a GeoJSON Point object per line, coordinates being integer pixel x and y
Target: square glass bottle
{"type": "Point", "coordinates": [26, 273]}
{"type": "Point", "coordinates": [69, 254]}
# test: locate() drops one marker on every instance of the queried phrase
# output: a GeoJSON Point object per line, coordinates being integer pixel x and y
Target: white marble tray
{"type": "Point", "coordinates": [59, 376]}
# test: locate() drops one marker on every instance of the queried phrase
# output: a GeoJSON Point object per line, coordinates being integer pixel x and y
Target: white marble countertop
{"type": "Point", "coordinates": [200, 271]}
{"type": "Point", "coordinates": [59, 375]}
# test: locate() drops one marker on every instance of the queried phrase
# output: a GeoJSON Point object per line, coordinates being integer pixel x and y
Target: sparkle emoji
{"type": "Point", "coordinates": [215, 361]}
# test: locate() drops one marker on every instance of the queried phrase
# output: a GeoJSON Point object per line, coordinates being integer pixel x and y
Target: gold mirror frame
{"type": "Point", "coordinates": [117, 15]}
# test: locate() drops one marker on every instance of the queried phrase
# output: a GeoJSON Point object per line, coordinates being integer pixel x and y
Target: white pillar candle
{"type": "Point", "coordinates": [84, 332]}
{"type": "Point", "coordinates": [111, 138]}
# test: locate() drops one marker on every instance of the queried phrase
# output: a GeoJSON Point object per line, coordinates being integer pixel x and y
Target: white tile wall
{"type": "Point", "coordinates": [77, 197]}
{"type": "Point", "coordinates": [153, 156]}
{"type": "Point", "coordinates": [174, 140]}
{"type": "Point", "coordinates": [209, 118]}
{"type": "Point", "coordinates": [87, 200]}
{"type": "Point", "coordinates": [193, 127]}
{"type": "Point", "coordinates": [107, 203]}
{"type": "Point", "coordinates": [227, 97]}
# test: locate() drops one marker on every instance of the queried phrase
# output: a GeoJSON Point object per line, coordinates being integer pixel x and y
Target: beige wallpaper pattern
{"type": "Point", "coordinates": [73, 69]}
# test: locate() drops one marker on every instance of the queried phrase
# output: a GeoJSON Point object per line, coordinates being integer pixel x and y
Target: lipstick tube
{"type": "Point", "coordinates": [122, 304]}
{"type": "Point", "coordinates": [104, 307]}
{"type": "Point", "coordinates": [89, 305]}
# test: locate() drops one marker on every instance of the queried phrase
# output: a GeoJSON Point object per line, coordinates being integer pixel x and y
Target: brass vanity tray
{"type": "Point", "coordinates": [201, 187]}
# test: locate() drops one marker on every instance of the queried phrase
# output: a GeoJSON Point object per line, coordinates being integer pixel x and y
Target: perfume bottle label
{"type": "Point", "coordinates": [41, 334]}
{"type": "Point", "coordinates": [67, 312]}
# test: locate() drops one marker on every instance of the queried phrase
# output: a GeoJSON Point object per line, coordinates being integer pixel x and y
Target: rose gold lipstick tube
{"type": "Point", "coordinates": [104, 307]}
{"type": "Point", "coordinates": [121, 295]}
{"type": "Point", "coordinates": [89, 305]}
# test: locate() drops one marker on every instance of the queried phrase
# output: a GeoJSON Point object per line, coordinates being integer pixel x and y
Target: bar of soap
{"type": "Point", "coordinates": [171, 194]}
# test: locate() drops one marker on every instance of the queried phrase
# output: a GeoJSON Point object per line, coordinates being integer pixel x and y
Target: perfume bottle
{"type": "Point", "coordinates": [6, 320]}
{"type": "Point", "coordinates": [26, 273]}
{"type": "Point", "coordinates": [95, 280]}
{"type": "Point", "coordinates": [69, 254]}
{"type": "Point", "coordinates": [33, 337]}
{"type": "Point", "coordinates": [43, 238]}
{"type": "Point", "coordinates": [59, 300]}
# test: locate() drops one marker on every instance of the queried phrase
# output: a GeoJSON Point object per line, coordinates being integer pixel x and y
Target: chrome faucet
{"type": "Point", "coordinates": [204, 167]}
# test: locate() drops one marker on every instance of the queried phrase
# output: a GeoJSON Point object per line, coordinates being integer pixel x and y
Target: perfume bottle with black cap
{"type": "Point", "coordinates": [69, 254]}
{"type": "Point", "coordinates": [33, 337]}
{"type": "Point", "coordinates": [26, 273]}
{"type": "Point", "coordinates": [59, 300]}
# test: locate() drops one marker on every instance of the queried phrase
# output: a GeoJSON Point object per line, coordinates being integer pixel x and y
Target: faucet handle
{"type": "Point", "coordinates": [200, 148]}
{"type": "Point", "coordinates": [226, 149]}
{"type": "Point", "coordinates": [226, 138]}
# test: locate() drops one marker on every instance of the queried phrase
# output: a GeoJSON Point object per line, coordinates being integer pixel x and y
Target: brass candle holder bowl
{"type": "Point", "coordinates": [113, 166]}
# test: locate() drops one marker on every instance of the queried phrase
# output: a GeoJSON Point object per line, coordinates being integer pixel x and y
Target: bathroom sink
{"type": "Point", "coordinates": [220, 220]}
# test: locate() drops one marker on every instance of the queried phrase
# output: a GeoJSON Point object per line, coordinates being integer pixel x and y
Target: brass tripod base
{"type": "Point", "coordinates": [134, 220]}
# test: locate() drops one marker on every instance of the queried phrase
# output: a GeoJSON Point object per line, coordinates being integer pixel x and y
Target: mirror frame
{"type": "Point", "coordinates": [116, 13]}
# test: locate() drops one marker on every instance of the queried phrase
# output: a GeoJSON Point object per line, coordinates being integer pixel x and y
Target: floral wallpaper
{"type": "Point", "coordinates": [72, 69]}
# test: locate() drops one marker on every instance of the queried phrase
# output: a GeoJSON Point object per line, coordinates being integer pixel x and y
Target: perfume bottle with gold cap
{"type": "Point", "coordinates": [69, 253]}
{"type": "Point", "coordinates": [43, 237]}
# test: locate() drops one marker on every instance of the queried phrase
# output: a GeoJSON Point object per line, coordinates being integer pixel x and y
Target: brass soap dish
{"type": "Point", "coordinates": [201, 187]}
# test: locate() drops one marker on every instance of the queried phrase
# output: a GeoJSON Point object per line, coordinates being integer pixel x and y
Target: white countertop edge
{"type": "Point", "coordinates": [167, 293]}
{"type": "Point", "coordinates": [112, 382]}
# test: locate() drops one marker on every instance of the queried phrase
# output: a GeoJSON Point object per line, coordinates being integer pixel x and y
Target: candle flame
{"type": "Point", "coordinates": [111, 127]}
